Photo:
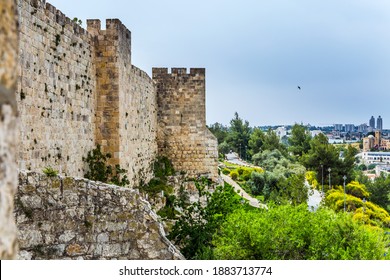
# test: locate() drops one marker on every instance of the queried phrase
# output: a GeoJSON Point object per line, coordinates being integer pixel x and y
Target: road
{"type": "Point", "coordinates": [314, 199]}
{"type": "Point", "coordinates": [252, 201]}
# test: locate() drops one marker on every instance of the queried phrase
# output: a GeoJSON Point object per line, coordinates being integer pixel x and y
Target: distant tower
{"type": "Point", "coordinates": [338, 127]}
{"type": "Point", "coordinates": [372, 122]}
{"type": "Point", "coordinates": [349, 128]}
{"type": "Point", "coordinates": [379, 124]}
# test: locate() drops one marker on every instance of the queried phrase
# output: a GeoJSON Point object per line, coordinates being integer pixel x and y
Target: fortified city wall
{"type": "Point", "coordinates": [78, 88]}
{"type": "Point", "coordinates": [73, 89]}
{"type": "Point", "coordinates": [8, 126]}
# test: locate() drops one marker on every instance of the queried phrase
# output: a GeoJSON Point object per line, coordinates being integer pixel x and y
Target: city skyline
{"type": "Point", "coordinates": [257, 54]}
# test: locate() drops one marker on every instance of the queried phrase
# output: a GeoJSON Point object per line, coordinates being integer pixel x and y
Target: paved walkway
{"type": "Point", "coordinates": [252, 201]}
{"type": "Point", "coordinates": [235, 159]}
{"type": "Point", "coordinates": [314, 200]}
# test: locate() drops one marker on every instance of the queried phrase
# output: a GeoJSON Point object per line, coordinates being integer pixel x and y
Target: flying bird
{"type": "Point", "coordinates": [299, 87]}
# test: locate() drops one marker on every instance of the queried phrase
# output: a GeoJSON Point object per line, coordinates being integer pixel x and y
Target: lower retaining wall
{"type": "Point", "coordinates": [68, 218]}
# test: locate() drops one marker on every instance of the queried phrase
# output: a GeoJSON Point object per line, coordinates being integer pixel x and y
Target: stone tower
{"type": "Point", "coordinates": [8, 126]}
{"type": "Point", "coordinates": [126, 102]}
{"type": "Point", "coordinates": [182, 133]}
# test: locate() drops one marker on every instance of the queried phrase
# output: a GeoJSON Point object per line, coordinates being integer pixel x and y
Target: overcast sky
{"type": "Point", "coordinates": [256, 53]}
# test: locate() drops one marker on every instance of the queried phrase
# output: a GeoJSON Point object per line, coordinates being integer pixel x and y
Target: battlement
{"type": "Point", "coordinates": [41, 6]}
{"type": "Point", "coordinates": [113, 26]}
{"type": "Point", "coordinates": [163, 72]}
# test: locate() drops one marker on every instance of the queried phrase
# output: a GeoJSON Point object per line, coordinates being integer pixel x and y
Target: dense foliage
{"type": "Point", "coordinates": [198, 222]}
{"type": "Point", "coordinates": [355, 201]}
{"type": "Point", "coordinates": [295, 233]}
{"type": "Point", "coordinates": [221, 226]}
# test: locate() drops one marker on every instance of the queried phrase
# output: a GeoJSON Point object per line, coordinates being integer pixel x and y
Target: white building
{"type": "Point", "coordinates": [315, 132]}
{"type": "Point", "coordinates": [281, 132]}
{"type": "Point", "coordinates": [376, 157]}
{"type": "Point", "coordinates": [381, 168]}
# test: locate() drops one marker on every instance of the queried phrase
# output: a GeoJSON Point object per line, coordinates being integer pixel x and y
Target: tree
{"type": "Point", "coordinates": [224, 148]}
{"type": "Point", "coordinates": [220, 131]}
{"type": "Point", "coordinates": [299, 140]}
{"type": "Point", "coordinates": [272, 142]}
{"type": "Point", "coordinates": [193, 232]}
{"type": "Point", "coordinates": [323, 156]}
{"type": "Point", "coordinates": [362, 210]}
{"type": "Point", "coordinates": [294, 189]}
{"type": "Point", "coordinates": [348, 163]}
{"type": "Point", "coordinates": [380, 191]}
{"type": "Point", "coordinates": [256, 141]}
{"type": "Point", "coordinates": [238, 137]}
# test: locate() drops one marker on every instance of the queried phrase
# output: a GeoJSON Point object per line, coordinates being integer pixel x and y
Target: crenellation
{"type": "Point", "coordinates": [94, 26]}
{"type": "Point", "coordinates": [179, 71]}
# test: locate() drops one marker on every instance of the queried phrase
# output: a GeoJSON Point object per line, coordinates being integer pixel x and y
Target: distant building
{"type": "Point", "coordinates": [363, 128]}
{"type": "Point", "coordinates": [376, 142]}
{"type": "Point", "coordinates": [379, 123]}
{"type": "Point", "coordinates": [385, 144]}
{"type": "Point", "coordinates": [336, 140]}
{"type": "Point", "coordinates": [382, 169]}
{"type": "Point", "coordinates": [376, 157]}
{"type": "Point", "coordinates": [281, 132]}
{"type": "Point", "coordinates": [368, 143]}
{"type": "Point", "coordinates": [378, 137]}
{"type": "Point", "coordinates": [349, 128]}
{"type": "Point", "coordinates": [338, 127]}
{"type": "Point", "coordinates": [314, 133]}
{"type": "Point", "coordinates": [372, 122]}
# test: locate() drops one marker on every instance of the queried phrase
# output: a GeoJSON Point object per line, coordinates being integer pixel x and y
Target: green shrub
{"type": "Point", "coordinates": [226, 171]}
{"type": "Point", "coordinates": [100, 170]}
{"type": "Point", "coordinates": [234, 175]}
{"type": "Point", "coordinates": [156, 186]}
{"type": "Point", "coordinates": [163, 167]}
{"type": "Point", "coordinates": [278, 234]}
{"type": "Point", "coordinates": [246, 175]}
{"type": "Point", "coordinates": [50, 172]}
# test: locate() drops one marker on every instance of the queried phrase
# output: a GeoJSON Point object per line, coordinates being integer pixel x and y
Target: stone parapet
{"type": "Point", "coordinates": [70, 218]}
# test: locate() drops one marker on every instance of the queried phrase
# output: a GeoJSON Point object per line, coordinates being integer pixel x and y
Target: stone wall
{"type": "Point", "coordinates": [126, 115]}
{"type": "Point", "coordinates": [56, 91]}
{"type": "Point", "coordinates": [182, 133]}
{"type": "Point", "coordinates": [67, 218]}
{"type": "Point", "coordinates": [138, 126]}
{"type": "Point", "coordinates": [8, 126]}
{"type": "Point", "coordinates": [77, 89]}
